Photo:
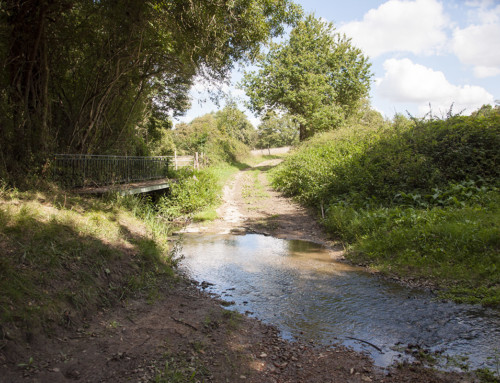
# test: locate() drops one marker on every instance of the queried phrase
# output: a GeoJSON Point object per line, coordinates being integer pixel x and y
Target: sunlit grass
{"type": "Point", "coordinates": [63, 253]}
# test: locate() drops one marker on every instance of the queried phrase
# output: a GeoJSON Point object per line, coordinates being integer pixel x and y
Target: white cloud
{"type": "Point", "coordinates": [479, 45]}
{"type": "Point", "coordinates": [406, 26]}
{"type": "Point", "coordinates": [405, 81]}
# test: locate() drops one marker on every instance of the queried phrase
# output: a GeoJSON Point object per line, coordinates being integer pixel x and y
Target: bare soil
{"type": "Point", "coordinates": [187, 336]}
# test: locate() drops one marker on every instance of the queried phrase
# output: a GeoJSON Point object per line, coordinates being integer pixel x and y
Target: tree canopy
{"type": "Point", "coordinates": [317, 76]}
{"type": "Point", "coordinates": [82, 76]}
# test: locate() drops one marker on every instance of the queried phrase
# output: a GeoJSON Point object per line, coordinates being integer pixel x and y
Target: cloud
{"type": "Point", "coordinates": [478, 45]}
{"type": "Point", "coordinates": [405, 81]}
{"type": "Point", "coordinates": [400, 26]}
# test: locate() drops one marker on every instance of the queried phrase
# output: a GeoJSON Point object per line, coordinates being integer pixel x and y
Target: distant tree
{"type": "Point", "coordinates": [487, 110]}
{"type": "Point", "coordinates": [195, 136]}
{"type": "Point", "coordinates": [233, 122]}
{"type": "Point", "coordinates": [277, 131]}
{"type": "Point", "coordinates": [203, 135]}
{"type": "Point", "coordinates": [365, 115]}
{"type": "Point", "coordinates": [318, 77]}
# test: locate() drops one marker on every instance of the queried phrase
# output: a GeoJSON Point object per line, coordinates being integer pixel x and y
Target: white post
{"type": "Point", "coordinates": [175, 159]}
{"type": "Point", "coordinates": [196, 164]}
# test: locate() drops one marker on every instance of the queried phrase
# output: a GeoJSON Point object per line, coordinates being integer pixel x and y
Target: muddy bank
{"type": "Point", "coordinates": [187, 337]}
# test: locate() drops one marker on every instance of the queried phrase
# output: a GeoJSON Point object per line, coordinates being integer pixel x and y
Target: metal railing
{"type": "Point", "coordinates": [74, 170]}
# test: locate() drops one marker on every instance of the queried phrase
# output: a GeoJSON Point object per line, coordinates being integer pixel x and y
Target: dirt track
{"type": "Point", "coordinates": [186, 336]}
{"type": "Point", "coordinates": [250, 204]}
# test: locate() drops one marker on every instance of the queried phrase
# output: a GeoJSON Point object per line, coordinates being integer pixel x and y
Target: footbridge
{"type": "Point", "coordinates": [100, 174]}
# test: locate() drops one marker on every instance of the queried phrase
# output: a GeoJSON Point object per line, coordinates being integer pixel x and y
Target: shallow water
{"type": "Point", "coordinates": [299, 288]}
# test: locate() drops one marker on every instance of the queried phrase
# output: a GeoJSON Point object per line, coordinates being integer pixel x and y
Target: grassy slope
{"type": "Point", "coordinates": [421, 202]}
{"type": "Point", "coordinates": [64, 256]}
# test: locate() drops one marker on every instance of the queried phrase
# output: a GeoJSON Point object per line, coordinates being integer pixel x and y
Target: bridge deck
{"type": "Point", "coordinates": [127, 189]}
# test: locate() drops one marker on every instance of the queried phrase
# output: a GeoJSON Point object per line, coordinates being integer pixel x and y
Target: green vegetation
{"type": "Point", "coordinates": [317, 77]}
{"type": "Point", "coordinates": [254, 190]}
{"type": "Point", "coordinates": [222, 137]}
{"type": "Point", "coordinates": [65, 256]}
{"type": "Point", "coordinates": [276, 131]}
{"type": "Point", "coordinates": [418, 198]}
{"type": "Point", "coordinates": [195, 193]}
{"type": "Point", "coordinates": [87, 76]}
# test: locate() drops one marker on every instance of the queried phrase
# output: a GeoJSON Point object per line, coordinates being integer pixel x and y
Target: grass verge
{"type": "Point", "coordinates": [63, 257]}
{"type": "Point", "coordinates": [415, 199]}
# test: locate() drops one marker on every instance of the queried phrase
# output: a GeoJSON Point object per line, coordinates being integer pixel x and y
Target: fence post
{"type": "Point", "coordinates": [196, 164]}
{"type": "Point", "coordinates": [175, 159]}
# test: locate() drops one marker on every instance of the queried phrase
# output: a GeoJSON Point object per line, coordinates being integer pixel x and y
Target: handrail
{"type": "Point", "coordinates": [83, 170]}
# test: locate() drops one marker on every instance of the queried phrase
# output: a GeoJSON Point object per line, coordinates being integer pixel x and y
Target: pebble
{"type": "Point", "coordinates": [263, 355]}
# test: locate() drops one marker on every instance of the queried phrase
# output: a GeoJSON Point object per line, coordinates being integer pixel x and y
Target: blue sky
{"type": "Point", "coordinates": [422, 52]}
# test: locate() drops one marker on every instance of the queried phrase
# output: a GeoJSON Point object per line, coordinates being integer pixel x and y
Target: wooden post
{"type": "Point", "coordinates": [196, 164]}
{"type": "Point", "coordinates": [175, 159]}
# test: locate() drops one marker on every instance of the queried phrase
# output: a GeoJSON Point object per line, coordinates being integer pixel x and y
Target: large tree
{"type": "Point", "coordinates": [81, 75]}
{"type": "Point", "coordinates": [317, 76]}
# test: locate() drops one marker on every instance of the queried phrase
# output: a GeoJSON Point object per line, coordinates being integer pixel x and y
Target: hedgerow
{"type": "Point", "coordinates": [417, 199]}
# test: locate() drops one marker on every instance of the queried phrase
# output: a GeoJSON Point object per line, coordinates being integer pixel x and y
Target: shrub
{"type": "Point", "coordinates": [418, 199]}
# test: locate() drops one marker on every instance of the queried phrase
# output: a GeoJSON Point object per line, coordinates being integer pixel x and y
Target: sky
{"type": "Point", "coordinates": [424, 54]}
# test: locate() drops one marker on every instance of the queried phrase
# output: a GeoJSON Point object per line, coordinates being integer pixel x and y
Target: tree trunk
{"type": "Point", "coordinates": [303, 132]}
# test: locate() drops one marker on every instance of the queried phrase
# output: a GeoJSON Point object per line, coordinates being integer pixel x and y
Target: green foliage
{"type": "Point", "coordinates": [384, 164]}
{"type": "Point", "coordinates": [156, 134]}
{"type": "Point", "coordinates": [419, 198]}
{"type": "Point", "coordinates": [317, 77]}
{"type": "Point", "coordinates": [83, 76]}
{"type": "Point", "coordinates": [234, 123]}
{"type": "Point", "coordinates": [458, 248]}
{"type": "Point", "coordinates": [194, 137]}
{"type": "Point", "coordinates": [208, 134]}
{"type": "Point", "coordinates": [275, 131]}
{"type": "Point", "coordinates": [193, 191]}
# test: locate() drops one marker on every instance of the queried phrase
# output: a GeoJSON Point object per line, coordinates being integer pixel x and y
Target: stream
{"type": "Point", "coordinates": [298, 287]}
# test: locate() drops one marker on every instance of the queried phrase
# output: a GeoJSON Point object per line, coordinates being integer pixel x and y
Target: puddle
{"type": "Point", "coordinates": [299, 288]}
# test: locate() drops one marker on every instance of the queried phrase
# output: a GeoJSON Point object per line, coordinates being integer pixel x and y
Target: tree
{"type": "Point", "coordinates": [82, 76]}
{"type": "Point", "coordinates": [194, 136]}
{"type": "Point", "coordinates": [317, 77]}
{"type": "Point", "coordinates": [233, 122]}
{"type": "Point", "coordinates": [277, 131]}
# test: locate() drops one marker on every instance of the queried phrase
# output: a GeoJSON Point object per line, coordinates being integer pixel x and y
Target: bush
{"type": "Point", "coordinates": [378, 165]}
{"type": "Point", "coordinates": [419, 198]}
{"type": "Point", "coordinates": [193, 191]}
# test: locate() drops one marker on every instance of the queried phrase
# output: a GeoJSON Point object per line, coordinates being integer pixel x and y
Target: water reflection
{"type": "Point", "coordinates": [298, 287]}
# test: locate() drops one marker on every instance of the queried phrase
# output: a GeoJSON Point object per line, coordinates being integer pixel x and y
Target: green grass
{"type": "Point", "coordinates": [64, 256]}
{"type": "Point", "coordinates": [208, 214]}
{"type": "Point", "coordinates": [254, 190]}
{"type": "Point", "coordinates": [196, 194]}
{"type": "Point", "coordinates": [455, 248]}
